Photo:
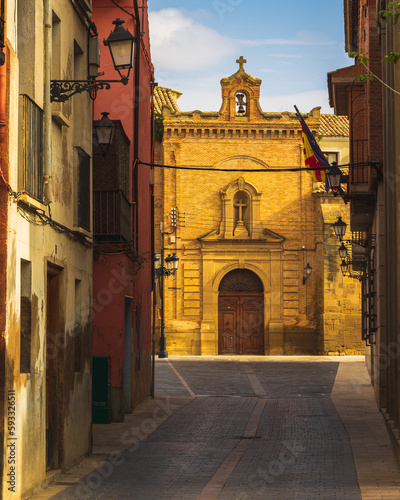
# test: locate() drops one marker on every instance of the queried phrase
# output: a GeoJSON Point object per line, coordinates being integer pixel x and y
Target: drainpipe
{"type": "Point", "coordinates": [3, 80]}
{"type": "Point", "coordinates": [46, 103]}
{"type": "Point", "coordinates": [3, 256]}
{"type": "Point", "coordinates": [136, 124]}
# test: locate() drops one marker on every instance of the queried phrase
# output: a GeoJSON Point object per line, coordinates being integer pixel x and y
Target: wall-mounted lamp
{"type": "Point", "coordinates": [334, 175]}
{"type": "Point", "coordinates": [354, 254]}
{"type": "Point", "coordinates": [344, 267]}
{"type": "Point", "coordinates": [340, 228]}
{"type": "Point", "coordinates": [104, 132]}
{"type": "Point", "coordinates": [336, 178]}
{"type": "Point", "coordinates": [342, 251]}
{"type": "Point", "coordinates": [307, 273]}
{"type": "Point", "coordinates": [121, 45]}
{"type": "Point", "coordinates": [172, 262]}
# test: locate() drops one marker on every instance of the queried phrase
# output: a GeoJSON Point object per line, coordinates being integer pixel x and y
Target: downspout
{"type": "Point", "coordinates": [46, 103]}
{"type": "Point", "coordinates": [3, 259]}
{"type": "Point", "coordinates": [3, 81]}
{"type": "Point", "coordinates": [136, 123]}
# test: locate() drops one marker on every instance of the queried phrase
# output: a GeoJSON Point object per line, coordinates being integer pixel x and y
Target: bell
{"type": "Point", "coordinates": [241, 109]}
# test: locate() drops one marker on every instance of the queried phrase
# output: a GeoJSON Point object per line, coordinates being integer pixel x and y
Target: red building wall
{"type": "Point", "coordinates": [131, 105]}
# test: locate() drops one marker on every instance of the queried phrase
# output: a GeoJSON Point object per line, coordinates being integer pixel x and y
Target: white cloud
{"type": "Point", "coordinates": [179, 44]}
{"type": "Point", "coordinates": [203, 93]}
{"type": "Point", "coordinates": [283, 41]}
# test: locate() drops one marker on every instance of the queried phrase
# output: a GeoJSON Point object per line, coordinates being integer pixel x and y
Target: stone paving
{"type": "Point", "coordinates": [244, 428]}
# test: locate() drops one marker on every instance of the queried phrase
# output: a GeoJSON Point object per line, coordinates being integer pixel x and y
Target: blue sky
{"type": "Point", "coordinates": [290, 45]}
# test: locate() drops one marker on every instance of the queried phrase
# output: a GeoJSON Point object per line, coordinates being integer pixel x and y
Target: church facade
{"type": "Point", "coordinates": [246, 229]}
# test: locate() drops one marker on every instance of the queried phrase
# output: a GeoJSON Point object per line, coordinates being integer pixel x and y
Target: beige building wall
{"type": "Point", "coordinates": [283, 231]}
{"type": "Point", "coordinates": [49, 257]}
{"type": "Point", "coordinates": [340, 321]}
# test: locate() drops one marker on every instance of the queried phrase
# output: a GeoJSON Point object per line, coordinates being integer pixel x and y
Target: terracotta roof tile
{"type": "Point", "coordinates": [334, 126]}
{"type": "Point", "coordinates": [166, 97]}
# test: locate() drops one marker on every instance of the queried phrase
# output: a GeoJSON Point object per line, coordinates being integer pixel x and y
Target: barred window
{"type": "Point", "coordinates": [32, 148]}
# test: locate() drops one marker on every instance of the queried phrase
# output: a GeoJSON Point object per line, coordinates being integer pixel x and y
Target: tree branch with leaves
{"type": "Point", "coordinates": [393, 13]}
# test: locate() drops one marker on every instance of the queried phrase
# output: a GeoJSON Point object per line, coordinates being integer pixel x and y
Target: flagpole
{"type": "Point", "coordinates": [298, 114]}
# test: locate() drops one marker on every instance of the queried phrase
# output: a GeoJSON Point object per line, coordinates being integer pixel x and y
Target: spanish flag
{"type": "Point", "coordinates": [313, 156]}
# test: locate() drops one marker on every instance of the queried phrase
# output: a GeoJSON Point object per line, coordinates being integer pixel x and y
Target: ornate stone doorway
{"type": "Point", "coordinates": [241, 313]}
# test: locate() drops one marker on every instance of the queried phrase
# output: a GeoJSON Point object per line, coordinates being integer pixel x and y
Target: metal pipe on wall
{"type": "Point", "coordinates": [3, 83]}
{"type": "Point", "coordinates": [136, 122]}
{"type": "Point", "coordinates": [47, 18]}
{"type": "Point", "coordinates": [3, 93]}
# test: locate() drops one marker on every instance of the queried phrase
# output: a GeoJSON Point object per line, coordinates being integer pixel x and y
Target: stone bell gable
{"type": "Point", "coordinates": [241, 91]}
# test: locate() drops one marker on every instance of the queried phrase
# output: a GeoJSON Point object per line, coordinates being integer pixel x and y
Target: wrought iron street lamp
{"type": "Point", "coordinates": [344, 267]}
{"type": "Point", "coordinates": [307, 271]}
{"type": "Point", "coordinates": [340, 228]}
{"type": "Point", "coordinates": [172, 262]}
{"type": "Point", "coordinates": [104, 132]}
{"type": "Point", "coordinates": [334, 176]}
{"type": "Point", "coordinates": [342, 251]}
{"type": "Point", "coordinates": [121, 45]}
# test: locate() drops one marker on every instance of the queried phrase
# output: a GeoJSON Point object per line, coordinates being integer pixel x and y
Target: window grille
{"type": "Point", "coordinates": [112, 217]}
{"type": "Point", "coordinates": [32, 148]}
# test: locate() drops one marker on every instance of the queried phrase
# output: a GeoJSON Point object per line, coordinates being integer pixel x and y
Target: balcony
{"type": "Point", "coordinates": [111, 217]}
{"type": "Point", "coordinates": [363, 179]}
{"type": "Point", "coordinates": [363, 182]}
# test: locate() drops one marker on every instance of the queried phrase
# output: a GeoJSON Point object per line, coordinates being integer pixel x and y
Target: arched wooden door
{"type": "Point", "coordinates": [241, 313]}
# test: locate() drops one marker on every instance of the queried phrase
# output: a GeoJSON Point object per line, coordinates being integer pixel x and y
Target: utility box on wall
{"type": "Point", "coordinates": [101, 390]}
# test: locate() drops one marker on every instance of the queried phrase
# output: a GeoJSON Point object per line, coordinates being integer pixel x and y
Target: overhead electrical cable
{"type": "Point", "coordinates": [268, 169]}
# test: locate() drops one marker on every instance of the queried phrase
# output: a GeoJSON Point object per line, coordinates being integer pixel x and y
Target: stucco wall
{"type": "Point", "coordinates": [48, 249]}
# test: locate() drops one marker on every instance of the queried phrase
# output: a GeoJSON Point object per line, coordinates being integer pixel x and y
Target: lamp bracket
{"type": "Point", "coordinates": [163, 271]}
{"type": "Point", "coordinates": [62, 90]}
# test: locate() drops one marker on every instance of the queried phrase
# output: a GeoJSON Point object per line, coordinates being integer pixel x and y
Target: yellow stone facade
{"type": "Point", "coordinates": [232, 206]}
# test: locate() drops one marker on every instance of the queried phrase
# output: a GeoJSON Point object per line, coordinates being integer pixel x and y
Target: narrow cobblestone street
{"type": "Point", "coordinates": [242, 428]}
